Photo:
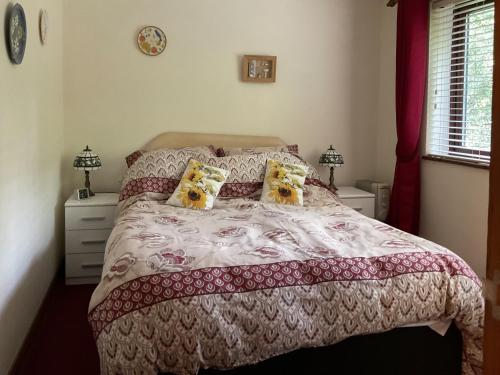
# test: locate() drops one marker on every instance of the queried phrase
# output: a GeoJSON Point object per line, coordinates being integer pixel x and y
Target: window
{"type": "Point", "coordinates": [460, 80]}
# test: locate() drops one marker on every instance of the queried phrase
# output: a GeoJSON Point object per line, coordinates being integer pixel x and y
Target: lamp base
{"type": "Point", "coordinates": [332, 184]}
{"type": "Point", "coordinates": [87, 183]}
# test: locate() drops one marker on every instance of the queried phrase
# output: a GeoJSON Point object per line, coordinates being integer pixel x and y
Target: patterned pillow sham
{"type": "Point", "coordinates": [247, 172]}
{"type": "Point", "coordinates": [230, 151]}
{"type": "Point", "coordinates": [199, 186]}
{"type": "Point", "coordinates": [209, 150]}
{"type": "Point", "coordinates": [160, 171]}
{"type": "Point", "coordinates": [157, 171]}
{"type": "Point", "coordinates": [284, 183]}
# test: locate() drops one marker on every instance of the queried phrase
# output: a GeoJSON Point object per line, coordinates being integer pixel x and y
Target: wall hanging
{"type": "Point", "coordinates": [151, 40]}
{"type": "Point", "coordinates": [17, 33]}
{"type": "Point", "coordinates": [259, 68]}
{"type": "Point", "coordinates": [44, 25]}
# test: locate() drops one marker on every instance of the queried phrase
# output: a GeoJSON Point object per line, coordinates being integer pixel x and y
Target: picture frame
{"type": "Point", "coordinates": [259, 68]}
{"type": "Point", "coordinates": [82, 193]}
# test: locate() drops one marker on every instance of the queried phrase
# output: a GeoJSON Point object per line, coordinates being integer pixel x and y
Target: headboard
{"type": "Point", "coordinates": [179, 139]}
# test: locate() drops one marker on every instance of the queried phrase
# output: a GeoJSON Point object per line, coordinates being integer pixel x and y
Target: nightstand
{"type": "Point", "coordinates": [88, 224]}
{"type": "Point", "coordinates": [358, 199]}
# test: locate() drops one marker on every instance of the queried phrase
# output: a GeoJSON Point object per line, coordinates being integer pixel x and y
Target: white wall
{"type": "Point", "coordinates": [31, 129]}
{"type": "Point", "coordinates": [454, 210]}
{"type": "Point", "coordinates": [386, 126]}
{"type": "Point", "coordinates": [454, 202]}
{"type": "Point", "coordinates": [116, 98]}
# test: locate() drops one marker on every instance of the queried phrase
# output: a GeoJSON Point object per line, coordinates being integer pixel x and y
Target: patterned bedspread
{"type": "Point", "coordinates": [184, 289]}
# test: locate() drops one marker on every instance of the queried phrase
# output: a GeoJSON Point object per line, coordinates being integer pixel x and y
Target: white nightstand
{"type": "Point", "coordinates": [360, 200]}
{"type": "Point", "coordinates": [88, 225]}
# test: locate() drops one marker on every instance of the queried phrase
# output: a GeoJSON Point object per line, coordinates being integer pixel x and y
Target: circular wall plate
{"type": "Point", "coordinates": [17, 33]}
{"type": "Point", "coordinates": [151, 40]}
{"type": "Point", "coordinates": [44, 25]}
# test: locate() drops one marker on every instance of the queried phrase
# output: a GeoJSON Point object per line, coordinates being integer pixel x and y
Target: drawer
{"type": "Point", "coordinates": [84, 265]}
{"type": "Point", "coordinates": [366, 206]}
{"type": "Point", "coordinates": [86, 241]}
{"type": "Point", "coordinates": [94, 217]}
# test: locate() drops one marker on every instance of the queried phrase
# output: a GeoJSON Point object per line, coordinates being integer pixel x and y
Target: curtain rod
{"type": "Point", "coordinates": [392, 3]}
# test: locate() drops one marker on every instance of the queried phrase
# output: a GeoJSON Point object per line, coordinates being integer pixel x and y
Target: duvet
{"type": "Point", "coordinates": [183, 289]}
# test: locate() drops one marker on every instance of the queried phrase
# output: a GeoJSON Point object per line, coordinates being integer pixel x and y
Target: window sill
{"type": "Point", "coordinates": [450, 160]}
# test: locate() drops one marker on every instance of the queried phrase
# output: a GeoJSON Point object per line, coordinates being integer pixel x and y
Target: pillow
{"type": "Point", "coordinates": [199, 186]}
{"type": "Point", "coordinates": [247, 171]}
{"type": "Point", "coordinates": [284, 183]}
{"type": "Point", "coordinates": [208, 150]}
{"type": "Point", "coordinates": [229, 151]}
{"type": "Point", "coordinates": [157, 171]}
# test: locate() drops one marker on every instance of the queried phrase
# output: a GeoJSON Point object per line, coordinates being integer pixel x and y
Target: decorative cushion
{"type": "Point", "coordinates": [199, 186]}
{"type": "Point", "coordinates": [208, 150]}
{"type": "Point", "coordinates": [284, 183]}
{"type": "Point", "coordinates": [230, 151]}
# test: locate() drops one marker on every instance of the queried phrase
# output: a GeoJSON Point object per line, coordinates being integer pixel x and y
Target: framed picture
{"type": "Point", "coordinates": [259, 68]}
{"type": "Point", "coordinates": [82, 193]}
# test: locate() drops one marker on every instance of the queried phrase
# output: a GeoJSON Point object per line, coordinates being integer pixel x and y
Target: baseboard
{"type": "Point", "coordinates": [21, 354]}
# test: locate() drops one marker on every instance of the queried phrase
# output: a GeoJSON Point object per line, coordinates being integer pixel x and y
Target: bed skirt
{"type": "Point", "coordinates": [409, 351]}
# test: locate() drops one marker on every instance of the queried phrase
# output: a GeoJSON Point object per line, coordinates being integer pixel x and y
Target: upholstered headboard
{"type": "Point", "coordinates": [178, 140]}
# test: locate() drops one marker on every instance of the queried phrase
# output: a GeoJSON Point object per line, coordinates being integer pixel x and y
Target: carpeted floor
{"type": "Point", "coordinates": [60, 341]}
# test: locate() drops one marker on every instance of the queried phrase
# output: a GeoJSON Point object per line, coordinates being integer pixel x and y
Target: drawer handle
{"type": "Point", "coordinates": [92, 265]}
{"type": "Point", "coordinates": [94, 218]}
{"type": "Point", "coordinates": [93, 242]}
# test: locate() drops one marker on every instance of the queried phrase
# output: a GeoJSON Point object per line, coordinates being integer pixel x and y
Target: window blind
{"type": "Point", "coordinates": [460, 79]}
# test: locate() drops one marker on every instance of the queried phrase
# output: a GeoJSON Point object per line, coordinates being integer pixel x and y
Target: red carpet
{"type": "Point", "coordinates": [61, 340]}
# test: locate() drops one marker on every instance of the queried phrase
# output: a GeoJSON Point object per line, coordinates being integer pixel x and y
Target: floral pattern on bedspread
{"type": "Point", "coordinates": [183, 289]}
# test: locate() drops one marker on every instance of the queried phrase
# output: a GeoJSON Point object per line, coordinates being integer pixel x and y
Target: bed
{"type": "Point", "coordinates": [251, 284]}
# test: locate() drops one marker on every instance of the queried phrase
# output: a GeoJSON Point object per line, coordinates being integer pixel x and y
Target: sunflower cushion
{"type": "Point", "coordinates": [199, 186]}
{"type": "Point", "coordinates": [284, 183]}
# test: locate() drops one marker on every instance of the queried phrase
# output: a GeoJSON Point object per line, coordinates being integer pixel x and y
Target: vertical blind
{"type": "Point", "coordinates": [460, 79]}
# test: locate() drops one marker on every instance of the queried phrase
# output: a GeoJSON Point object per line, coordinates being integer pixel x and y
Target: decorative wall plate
{"type": "Point", "coordinates": [151, 40]}
{"type": "Point", "coordinates": [44, 25]}
{"type": "Point", "coordinates": [17, 33]}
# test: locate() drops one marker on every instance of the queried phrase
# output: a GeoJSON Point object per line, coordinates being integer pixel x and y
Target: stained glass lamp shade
{"type": "Point", "coordinates": [87, 161]}
{"type": "Point", "coordinates": [331, 158]}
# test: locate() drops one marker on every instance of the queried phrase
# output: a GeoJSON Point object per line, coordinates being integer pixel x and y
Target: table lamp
{"type": "Point", "coordinates": [87, 161]}
{"type": "Point", "coordinates": [331, 158]}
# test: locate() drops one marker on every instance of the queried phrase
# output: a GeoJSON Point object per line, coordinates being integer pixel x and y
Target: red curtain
{"type": "Point", "coordinates": [411, 77]}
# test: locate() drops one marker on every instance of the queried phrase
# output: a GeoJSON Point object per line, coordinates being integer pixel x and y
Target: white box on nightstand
{"type": "Point", "coordinates": [358, 199]}
{"type": "Point", "coordinates": [88, 223]}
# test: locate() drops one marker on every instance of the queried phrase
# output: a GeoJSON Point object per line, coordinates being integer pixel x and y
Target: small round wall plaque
{"type": "Point", "coordinates": [151, 40]}
{"type": "Point", "coordinates": [17, 33]}
{"type": "Point", "coordinates": [44, 25]}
